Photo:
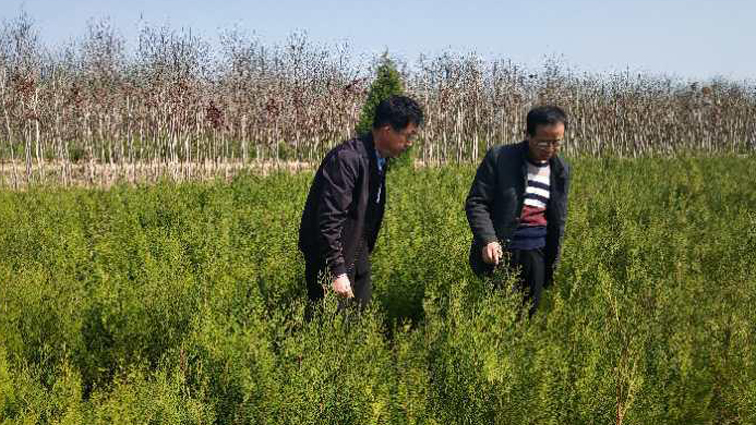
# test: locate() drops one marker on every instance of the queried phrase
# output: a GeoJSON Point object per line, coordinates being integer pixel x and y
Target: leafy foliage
{"type": "Point", "coordinates": [185, 304]}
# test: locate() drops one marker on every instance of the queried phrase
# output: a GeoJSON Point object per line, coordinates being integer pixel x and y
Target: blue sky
{"type": "Point", "coordinates": [693, 39]}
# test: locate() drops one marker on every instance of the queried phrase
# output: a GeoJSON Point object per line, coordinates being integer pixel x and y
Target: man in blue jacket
{"type": "Point", "coordinates": [517, 205]}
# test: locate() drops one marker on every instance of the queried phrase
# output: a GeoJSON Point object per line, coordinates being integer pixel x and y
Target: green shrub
{"type": "Point", "coordinates": [387, 83]}
{"type": "Point", "coordinates": [185, 304]}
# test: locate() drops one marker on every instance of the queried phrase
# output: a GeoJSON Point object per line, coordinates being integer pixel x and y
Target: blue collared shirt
{"type": "Point", "coordinates": [381, 161]}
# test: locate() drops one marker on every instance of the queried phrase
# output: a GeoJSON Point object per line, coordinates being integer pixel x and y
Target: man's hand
{"type": "Point", "coordinates": [342, 287]}
{"type": "Point", "coordinates": [492, 253]}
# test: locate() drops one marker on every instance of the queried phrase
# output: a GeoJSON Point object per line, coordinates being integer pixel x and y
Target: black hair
{"type": "Point", "coordinates": [545, 115]}
{"type": "Point", "coordinates": [398, 112]}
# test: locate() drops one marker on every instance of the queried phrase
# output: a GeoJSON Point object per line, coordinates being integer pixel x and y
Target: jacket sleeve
{"type": "Point", "coordinates": [563, 224]}
{"type": "Point", "coordinates": [554, 256]}
{"type": "Point", "coordinates": [480, 200]}
{"type": "Point", "coordinates": [339, 178]}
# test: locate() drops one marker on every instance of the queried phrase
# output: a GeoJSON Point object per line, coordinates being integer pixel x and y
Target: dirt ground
{"type": "Point", "coordinates": [14, 175]}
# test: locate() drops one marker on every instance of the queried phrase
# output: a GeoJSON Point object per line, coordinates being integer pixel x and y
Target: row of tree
{"type": "Point", "coordinates": [95, 110]}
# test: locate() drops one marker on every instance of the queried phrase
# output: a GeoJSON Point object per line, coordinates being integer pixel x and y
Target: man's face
{"type": "Point", "coordinates": [391, 143]}
{"type": "Point", "coordinates": [546, 141]}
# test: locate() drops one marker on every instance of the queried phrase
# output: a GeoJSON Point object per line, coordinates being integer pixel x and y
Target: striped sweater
{"type": "Point", "coordinates": [531, 233]}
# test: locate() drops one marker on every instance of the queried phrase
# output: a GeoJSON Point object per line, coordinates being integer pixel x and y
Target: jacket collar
{"type": "Point", "coordinates": [369, 144]}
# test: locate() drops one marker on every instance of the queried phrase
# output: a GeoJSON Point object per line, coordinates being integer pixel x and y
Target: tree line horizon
{"type": "Point", "coordinates": [173, 106]}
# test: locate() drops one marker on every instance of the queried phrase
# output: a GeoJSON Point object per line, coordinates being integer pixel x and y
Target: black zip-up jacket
{"type": "Point", "coordinates": [494, 204]}
{"type": "Point", "coordinates": [344, 208]}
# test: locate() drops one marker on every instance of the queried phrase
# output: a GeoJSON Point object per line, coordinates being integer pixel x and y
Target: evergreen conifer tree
{"type": "Point", "coordinates": [387, 83]}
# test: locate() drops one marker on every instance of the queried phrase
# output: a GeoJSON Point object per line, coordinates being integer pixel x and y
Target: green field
{"type": "Point", "coordinates": [185, 303]}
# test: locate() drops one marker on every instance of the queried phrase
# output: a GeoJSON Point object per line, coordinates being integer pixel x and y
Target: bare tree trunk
{"type": "Point", "coordinates": [10, 145]}
{"type": "Point", "coordinates": [37, 142]}
{"type": "Point", "coordinates": [13, 165]}
{"type": "Point", "coordinates": [28, 153]}
{"type": "Point", "coordinates": [244, 142]}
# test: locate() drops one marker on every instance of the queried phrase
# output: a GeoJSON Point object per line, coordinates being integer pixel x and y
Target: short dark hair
{"type": "Point", "coordinates": [545, 115]}
{"type": "Point", "coordinates": [398, 112]}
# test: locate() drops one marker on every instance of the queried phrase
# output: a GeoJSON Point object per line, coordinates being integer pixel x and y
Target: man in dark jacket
{"type": "Point", "coordinates": [518, 204]}
{"type": "Point", "coordinates": [344, 209]}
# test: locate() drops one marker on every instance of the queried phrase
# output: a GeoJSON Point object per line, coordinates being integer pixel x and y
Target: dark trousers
{"type": "Point", "coordinates": [530, 266]}
{"type": "Point", "coordinates": [532, 269]}
{"type": "Point", "coordinates": [319, 281]}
